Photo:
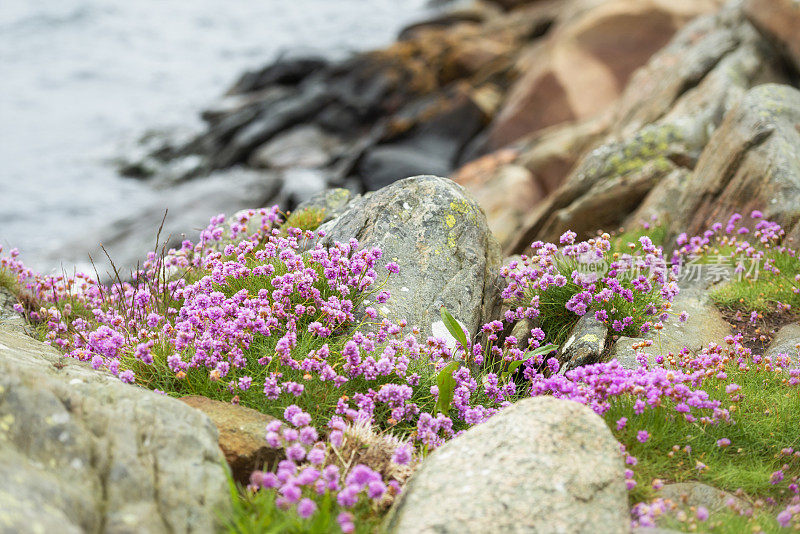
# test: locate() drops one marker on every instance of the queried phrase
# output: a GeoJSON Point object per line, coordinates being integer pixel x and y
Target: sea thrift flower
{"type": "Point", "coordinates": [306, 508]}
{"type": "Point", "coordinates": [642, 436]}
{"type": "Point", "coordinates": [702, 513]}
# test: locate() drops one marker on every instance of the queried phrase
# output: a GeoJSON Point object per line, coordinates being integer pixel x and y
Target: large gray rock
{"type": "Point", "coordinates": [82, 452]}
{"type": "Point", "coordinates": [662, 125]}
{"type": "Point", "coordinates": [542, 465]}
{"type": "Point", "coordinates": [751, 162]}
{"type": "Point", "coordinates": [439, 237]}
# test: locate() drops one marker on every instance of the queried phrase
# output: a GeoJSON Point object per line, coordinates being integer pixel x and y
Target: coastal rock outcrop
{"type": "Point", "coordinates": [751, 162]}
{"type": "Point", "coordinates": [82, 452]}
{"type": "Point", "coordinates": [584, 63]}
{"type": "Point", "coordinates": [541, 465]}
{"type": "Point", "coordinates": [660, 127]}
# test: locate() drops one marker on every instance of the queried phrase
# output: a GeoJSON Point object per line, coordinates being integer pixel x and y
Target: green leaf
{"type": "Point", "coordinates": [541, 350]}
{"type": "Point", "coordinates": [516, 363]}
{"type": "Point", "coordinates": [453, 327]}
{"type": "Point", "coordinates": [446, 384]}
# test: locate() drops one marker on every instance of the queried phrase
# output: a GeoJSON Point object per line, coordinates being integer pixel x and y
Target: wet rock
{"type": "Point", "coordinates": [384, 165]}
{"type": "Point", "coordinates": [82, 452]}
{"type": "Point", "coordinates": [279, 116]}
{"type": "Point", "coordinates": [285, 71]}
{"type": "Point", "coordinates": [780, 20]}
{"type": "Point", "coordinates": [474, 12]}
{"type": "Point", "coordinates": [304, 146]}
{"type": "Point", "coordinates": [785, 342]}
{"type": "Point", "coordinates": [241, 435]}
{"type": "Point", "coordinates": [439, 237]}
{"type": "Point", "coordinates": [585, 63]}
{"type": "Point", "coordinates": [541, 465]}
{"type": "Point", "coordinates": [300, 185]}
{"type": "Point", "coordinates": [585, 344]}
{"type": "Point", "coordinates": [751, 162]}
{"type": "Point", "coordinates": [430, 148]}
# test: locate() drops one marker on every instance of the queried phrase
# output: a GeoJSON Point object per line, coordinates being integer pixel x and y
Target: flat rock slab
{"type": "Point", "coordinates": [585, 343]}
{"type": "Point", "coordinates": [242, 433]}
{"type": "Point", "coordinates": [704, 325]}
{"type": "Point", "coordinates": [82, 452]}
{"type": "Point", "coordinates": [543, 465]}
{"type": "Point", "coordinates": [695, 494]}
{"type": "Point", "coordinates": [785, 342]}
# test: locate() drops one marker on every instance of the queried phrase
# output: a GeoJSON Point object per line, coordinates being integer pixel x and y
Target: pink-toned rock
{"type": "Point", "coordinates": [584, 63]}
{"type": "Point", "coordinates": [241, 435]}
{"type": "Point", "coordinates": [505, 191]}
{"type": "Point", "coordinates": [508, 183]}
{"type": "Point", "coordinates": [780, 21]}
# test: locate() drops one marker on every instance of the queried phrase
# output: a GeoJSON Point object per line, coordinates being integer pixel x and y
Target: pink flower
{"type": "Point", "coordinates": [702, 513]}
{"type": "Point", "coordinates": [306, 508]}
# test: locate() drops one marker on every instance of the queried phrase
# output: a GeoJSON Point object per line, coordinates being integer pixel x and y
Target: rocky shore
{"type": "Point", "coordinates": [495, 126]}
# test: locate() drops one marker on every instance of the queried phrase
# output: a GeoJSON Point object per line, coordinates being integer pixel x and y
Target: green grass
{"type": "Point", "coordinates": [765, 421]}
{"type": "Point", "coordinates": [725, 522]}
{"type": "Point", "coordinates": [761, 293]}
{"type": "Point", "coordinates": [621, 242]}
{"type": "Point", "coordinates": [257, 513]}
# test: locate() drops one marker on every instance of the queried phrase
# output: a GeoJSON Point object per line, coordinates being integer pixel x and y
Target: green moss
{"type": "Point", "coordinates": [305, 219]}
{"type": "Point", "coordinates": [621, 242]}
{"type": "Point", "coordinates": [648, 147]}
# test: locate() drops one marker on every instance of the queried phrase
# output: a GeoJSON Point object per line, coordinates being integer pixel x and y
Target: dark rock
{"type": "Point", "coordinates": [384, 165]}
{"type": "Point", "coordinates": [285, 71]}
{"type": "Point", "coordinates": [585, 344]}
{"type": "Point", "coordinates": [300, 185]}
{"type": "Point", "coordinates": [305, 146]}
{"type": "Point", "coordinates": [430, 148]}
{"type": "Point", "coordinates": [277, 117]}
